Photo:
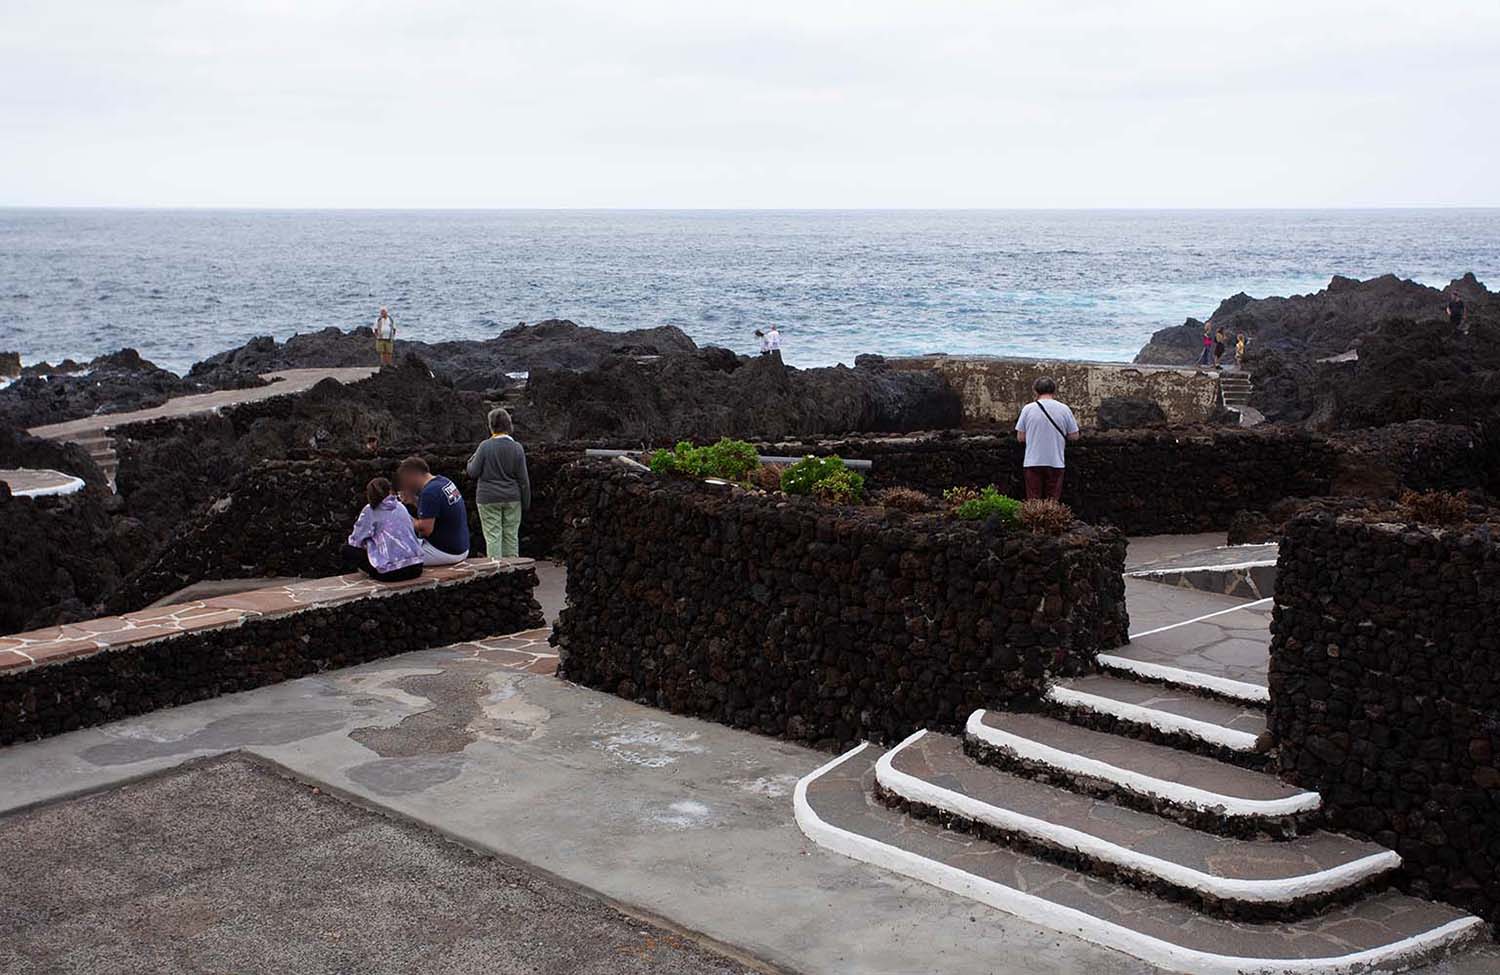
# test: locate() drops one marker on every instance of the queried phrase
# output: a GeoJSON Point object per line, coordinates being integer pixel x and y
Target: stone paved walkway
{"type": "Point", "coordinates": [38, 482]}
{"type": "Point", "coordinates": [284, 383]}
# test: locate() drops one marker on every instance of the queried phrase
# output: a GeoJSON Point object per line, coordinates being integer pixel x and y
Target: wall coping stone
{"type": "Point", "coordinates": [70, 641]}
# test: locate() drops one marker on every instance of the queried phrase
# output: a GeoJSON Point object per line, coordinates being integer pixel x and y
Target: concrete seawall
{"type": "Point", "coordinates": [993, 389]}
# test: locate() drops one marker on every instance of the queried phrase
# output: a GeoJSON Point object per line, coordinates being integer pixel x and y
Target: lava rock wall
{"type": "Point", "coordinates": [290, 518]}
{"type": "Point", "coordinates": [136, 678]}
{"type": "Point", "coordinates": [1385, 692]}
{"type": "Point", "coordinates": [1145, 482]}
{"type": "Point", "coordinates": [818, 623]}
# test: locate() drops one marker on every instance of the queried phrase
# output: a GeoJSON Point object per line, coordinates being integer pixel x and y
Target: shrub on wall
{"type": "Point", "coordinates": [804, 477]}
{"type": "Point", "coordinates": [1046, 516]}
{"type": "Point", "coordinates": [990, 503]}
{"type": "Point", "coordinates": [732, 460]}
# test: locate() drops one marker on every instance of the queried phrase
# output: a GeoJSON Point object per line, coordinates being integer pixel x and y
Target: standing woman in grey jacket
{"type": "Point", "coordinates": [504, 491]}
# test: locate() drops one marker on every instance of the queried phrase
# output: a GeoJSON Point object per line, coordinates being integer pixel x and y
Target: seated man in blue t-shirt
{"type": "Point", "coordinates": [442, 517]}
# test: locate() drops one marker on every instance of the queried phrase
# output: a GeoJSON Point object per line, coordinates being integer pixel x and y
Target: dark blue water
{"type": "Point", "coordinates": [179, 285]}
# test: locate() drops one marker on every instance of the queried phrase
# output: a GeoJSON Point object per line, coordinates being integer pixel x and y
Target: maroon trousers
{"type": "Point", "coordinates": [1043, 482]}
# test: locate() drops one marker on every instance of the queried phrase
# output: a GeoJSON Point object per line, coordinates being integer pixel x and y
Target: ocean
{"type": "Point", "coordinates": [181, 284]}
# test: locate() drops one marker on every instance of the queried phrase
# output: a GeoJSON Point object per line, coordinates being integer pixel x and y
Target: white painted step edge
{"type": "Point", "coordinates": [1094, 929]}
{"type": "Point", "coordinates": [1284, 890]}
{"type": "Point", "coordinates": [1163, 721]}
{"type": "Point", "coordinates": [1138, 782]}
{"type": "Point", "coordinates": [1147, 572]}
{"type": "Point", "coordinates": [1224, 686]}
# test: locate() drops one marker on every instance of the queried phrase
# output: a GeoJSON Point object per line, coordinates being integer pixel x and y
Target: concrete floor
{"type": "Point", "coordinates": [678, 819]}
{"type": "Point", "coordinates": [231, 867]}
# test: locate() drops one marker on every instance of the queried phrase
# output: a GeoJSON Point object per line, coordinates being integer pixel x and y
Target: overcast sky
{"type": "Point", "coordinates": [749, 103]}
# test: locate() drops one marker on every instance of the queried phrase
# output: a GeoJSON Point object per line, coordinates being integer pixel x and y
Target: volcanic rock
{"type": "Point", "coordinates": [1129, 412]}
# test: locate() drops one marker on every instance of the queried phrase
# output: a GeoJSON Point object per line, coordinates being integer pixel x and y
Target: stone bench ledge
{"type": "Point", "coordinates": [55, 644]}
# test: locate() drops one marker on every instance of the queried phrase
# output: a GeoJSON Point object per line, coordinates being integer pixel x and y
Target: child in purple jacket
{"type": "Point", "coordinates": [384, 544]}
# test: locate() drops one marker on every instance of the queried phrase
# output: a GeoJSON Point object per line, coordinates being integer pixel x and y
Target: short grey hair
{"type": "Point", "coordinates": [1044, 386]}
{"type": "Point", "coordinates": [500, 421]}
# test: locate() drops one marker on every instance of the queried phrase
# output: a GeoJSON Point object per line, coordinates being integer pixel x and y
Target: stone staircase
{"type": "Point", "coordinates": [1234, 392]}
{"type": "Point", "coordinates": [101, 449]}
{"type": "Point", "coordinates": [1136, 815]}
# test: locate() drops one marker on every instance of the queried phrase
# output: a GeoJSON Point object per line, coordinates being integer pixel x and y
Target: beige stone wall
{"type": "Point", "coordinates": [994, 389]}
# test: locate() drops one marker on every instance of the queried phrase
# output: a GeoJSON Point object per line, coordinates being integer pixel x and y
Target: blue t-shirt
{"type": "Point", "coordinates": [441, 501]}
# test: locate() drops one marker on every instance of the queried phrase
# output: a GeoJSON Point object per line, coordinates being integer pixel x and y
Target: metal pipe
{"type": "Point", "coordinates": [854, 465]}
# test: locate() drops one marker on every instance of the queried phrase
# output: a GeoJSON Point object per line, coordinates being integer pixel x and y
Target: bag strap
{"type": "Point", "coordinates": [1059, 429]}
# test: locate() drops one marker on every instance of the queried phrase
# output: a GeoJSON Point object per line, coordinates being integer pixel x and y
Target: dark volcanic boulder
{"type": "Point", "coordinates": [1175, 345]}
{"type": "Point", "coordinates": [478, 364]}
{"type": "Point", "coordinates": [19, 449]}
{"type": "Point", "coordinates": [1129, 413]}
{"type": "Point", "coordinates": [696, 397]}
{"type": "Point", "coordinates": [110, 383]}
{"type": "Point", "coordinates": [170, 468]}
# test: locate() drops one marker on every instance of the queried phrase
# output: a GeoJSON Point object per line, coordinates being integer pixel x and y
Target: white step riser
{"type": "Point", "coordinates": [1268, 892]}
{"type": "Point", "coordinates": [1213, 735]}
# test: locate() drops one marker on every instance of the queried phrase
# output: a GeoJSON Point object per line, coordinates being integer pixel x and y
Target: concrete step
{"type": "Point", "coordinates": [1152, 711]}
{"type": "Point", "coordinates": [930, 775]}
{"type": "Point", "coordinates": [1194, 789]}
{"type": "Point", "coordinates": [1210, 685]}
{"type": "Point", "coordinates": [837, 809]}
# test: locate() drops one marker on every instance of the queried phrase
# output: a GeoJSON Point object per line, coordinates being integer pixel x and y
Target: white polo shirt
{"type": "Point", "coordinates": [1044, 444]}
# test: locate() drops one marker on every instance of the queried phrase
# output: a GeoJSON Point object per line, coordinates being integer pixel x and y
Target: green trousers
{"type": "Point", "coordinates": [502, 528]}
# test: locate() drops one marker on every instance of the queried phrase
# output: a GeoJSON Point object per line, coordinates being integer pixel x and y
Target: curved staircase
{"type": "Point", "coordinates": [1135, 815]}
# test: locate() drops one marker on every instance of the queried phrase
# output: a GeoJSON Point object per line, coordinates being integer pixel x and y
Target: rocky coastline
{"type": "Point", "coordinates": [1416, 405]}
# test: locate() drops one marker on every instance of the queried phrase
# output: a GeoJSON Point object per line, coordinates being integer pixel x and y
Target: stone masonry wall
{"type": "Point", "coordinates": [1385, 692]}
{"type": "Point", "coordinates": [290, 518]}
{"type": "Point", "coordinates": [133, 678]}
{"type": "Point", "coordinates": [992, 390]}
{"type": "Point", "coordinates": [1144, 482]}
{"type": "Point", "coordinates": [818, 623]}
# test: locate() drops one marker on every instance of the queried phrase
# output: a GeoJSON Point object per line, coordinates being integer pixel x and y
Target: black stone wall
{"type": "Point", "coordinates": [1385, 692]}
{"type": "Point", "coordinates": [1145, 482]}
{"type": "Point", "coordinates": [55, 698]}
{"type": "Point", "coordinates": [817, 623]}
{"type": "Point", "coordinates": [290, 518]}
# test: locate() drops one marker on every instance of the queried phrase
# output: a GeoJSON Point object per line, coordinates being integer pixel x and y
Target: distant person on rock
{"type": "Point", "coordinates": [765, 343]}
{"type": "Point", "coordinates": [1239, 351]}
{"type": "Point", "coordinates": [504, 491]}
{"type": "Point", "coordinates": [383, 544]}
{"type": "Point", "coordinates": [385, 337]}
{"type": "Point", "coordinates": [1219, 340]}
{"type": "Point", "coordinates": [442, 517]}
{"type": "Point", "coordinates": [1455, 310]}
{"type": "Point", "coordinates": [773, 340]}
{"type": "Point", "coordinates": [1045, 427]}
{"type": "Point", "coordinates": [1207, 357]}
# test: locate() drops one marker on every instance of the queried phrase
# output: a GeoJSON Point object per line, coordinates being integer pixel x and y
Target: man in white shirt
{"type": "Point", "coordinates": [385, 337]}
{"type": "Point", "coordinates": [1045, 427]}
{"type": "Point", "coordinates": [773, 339]}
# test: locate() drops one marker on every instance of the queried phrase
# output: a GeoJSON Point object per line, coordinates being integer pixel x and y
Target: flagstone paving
{"type": "Point", "coordinates": [55, 643]}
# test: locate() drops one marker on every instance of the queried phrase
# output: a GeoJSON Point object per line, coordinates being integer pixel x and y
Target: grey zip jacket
{"type": "Point", "coordinates": [499, 465]}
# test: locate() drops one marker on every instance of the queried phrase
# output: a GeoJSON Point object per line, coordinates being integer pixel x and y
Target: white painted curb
{"type": "Point", "coordinates": [1224, 686]}
{"type": "Point", "coordinates": [1138, 782]}
{"type": "Point", "coordinates": [1163, 721]}
{"type": "Point", "coordinates": [1088, 927]}
{"type": "Point", "coordinates": [1283, 890]}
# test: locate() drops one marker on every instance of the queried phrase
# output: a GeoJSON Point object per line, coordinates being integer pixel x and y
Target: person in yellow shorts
{"type": "Point", "coordinates": [385, 337]}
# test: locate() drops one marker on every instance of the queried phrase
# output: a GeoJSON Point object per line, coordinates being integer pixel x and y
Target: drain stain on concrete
{"type": "Point", "coordinates": [404, 776]}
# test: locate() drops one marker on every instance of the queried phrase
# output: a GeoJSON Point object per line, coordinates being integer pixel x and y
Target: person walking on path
{"type": "Point", "coordinates": [385, 337]}
{"type": "Point", "coordinates": [1205, 359]}
{"type": "Point", "coordinates": [504, 491]}
{"type": "Point", "coordinates": [1045, 427]}
{"type": "Point", "coordinates": [1455, 309]}
{"type": "Point", "coordinates": [383, 544]}
{"type": "Point", "coordinates": [442, 517]}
